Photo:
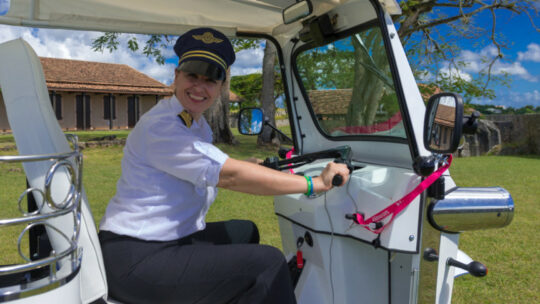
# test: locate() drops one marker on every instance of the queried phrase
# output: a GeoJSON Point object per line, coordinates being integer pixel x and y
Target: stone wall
{"type": "Point", "coordinates": [487, 138]}
{"type": "Point", "coordinates": [520, 134]}
{"type": "Point", "coordinates": [504, 135]}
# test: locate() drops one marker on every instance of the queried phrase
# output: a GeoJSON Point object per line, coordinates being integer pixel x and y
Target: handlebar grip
{"type": "Point", "coordinates": [337, 180]}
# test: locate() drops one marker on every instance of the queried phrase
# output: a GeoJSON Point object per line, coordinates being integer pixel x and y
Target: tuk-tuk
{"type": "Point", "coordinates": [390, 235]}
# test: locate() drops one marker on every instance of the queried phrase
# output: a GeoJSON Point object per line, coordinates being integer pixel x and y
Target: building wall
{"type": "Point", "coordinates": [147, 102]}
{"type": "Point", "coordinates": [69, 115]}
{"type": "Point", "coordinates": [68, 122]}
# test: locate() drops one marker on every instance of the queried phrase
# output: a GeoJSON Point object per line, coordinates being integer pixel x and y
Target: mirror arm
{"type": "Point", "coordinates": [266, 123]}
{"type": "Point", "coordinates": [470, 123]}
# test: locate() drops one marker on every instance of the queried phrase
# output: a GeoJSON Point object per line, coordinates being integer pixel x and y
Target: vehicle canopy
{"type": "Point", "coordinates": [171, 17]}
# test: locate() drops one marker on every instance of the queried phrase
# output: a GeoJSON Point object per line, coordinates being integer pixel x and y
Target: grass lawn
{"type": "Point", "coordinates": [511, 254]}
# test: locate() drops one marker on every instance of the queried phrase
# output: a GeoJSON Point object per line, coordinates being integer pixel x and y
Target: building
{"type": "Point", "coordinates": [96, 96]}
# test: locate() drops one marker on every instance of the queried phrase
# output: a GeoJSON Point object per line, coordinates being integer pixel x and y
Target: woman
{"type": "Point", "coordinates": [156, 245]}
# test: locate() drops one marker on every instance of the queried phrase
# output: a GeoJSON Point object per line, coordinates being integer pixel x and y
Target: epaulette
{"type": "Point", "coordinates": [186, 118]}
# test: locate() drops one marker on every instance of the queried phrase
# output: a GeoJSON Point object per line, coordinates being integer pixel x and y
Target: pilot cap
{"type": "Point", "coordinates": [204, 51]}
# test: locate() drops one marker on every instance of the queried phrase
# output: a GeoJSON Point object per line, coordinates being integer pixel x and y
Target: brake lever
{"type": "Point", "coordinates": [337, 180]}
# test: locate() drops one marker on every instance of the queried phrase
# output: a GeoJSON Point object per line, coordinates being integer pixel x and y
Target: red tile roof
{"type": "Point", "coordinates": [87, 76]}
{"type": "Point", "coordinates": [330, 101]}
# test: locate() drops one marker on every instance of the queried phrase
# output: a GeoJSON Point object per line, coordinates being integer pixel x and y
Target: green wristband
{"type": "Point", "coordinates": [309, 181]}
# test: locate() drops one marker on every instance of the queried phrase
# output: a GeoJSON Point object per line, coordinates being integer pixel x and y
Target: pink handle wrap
{"type": "Point", "coordinates": [288, 156]}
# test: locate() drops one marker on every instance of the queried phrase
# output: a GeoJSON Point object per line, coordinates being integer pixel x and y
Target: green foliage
{"type": "Point", "coordinates": [490, 109]}
{"type": "Point", "coordinates": [245, 44]}
{"type": "Point", "coordinates": [108, 41]}
{"type": "Point", "coordinates": [154, 44]}
{"type": "Point", "coordinates": [327, 68]}
{"type": "Point", "coordinates": [249, 87]}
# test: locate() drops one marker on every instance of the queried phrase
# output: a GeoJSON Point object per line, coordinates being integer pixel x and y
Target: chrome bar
{"type": "Point", "coordinates": [37, 157]}
{"type": "Point", "coordinates": [71, 204]}
{"type": "Point", "coordinates": [37, 217]}
{"type": "Point", "coordinates": [53, 259]}
{"type": "Point", "coordinates": [471, 209]}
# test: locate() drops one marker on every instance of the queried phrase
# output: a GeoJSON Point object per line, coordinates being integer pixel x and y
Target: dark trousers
{"type": "Point", "coordinates": [222, 264]}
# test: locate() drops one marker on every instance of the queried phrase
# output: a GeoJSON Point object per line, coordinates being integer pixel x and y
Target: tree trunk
{"type": "Point", "coordinates": [268, 135]}
{"type": "Point", "coordinates": [368, 89]}
{"type": "Point", "coordinates": [218, 116]}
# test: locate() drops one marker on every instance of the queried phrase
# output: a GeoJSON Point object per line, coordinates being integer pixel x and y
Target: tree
{"type": "Point", "coordinates": [262, 90]}
{"type": "Point", "coordinates": [249, 87]}
{"type": "Point", "coordinates": [431, 31]}
{"type": "Point", "coordinates": [268, 99]}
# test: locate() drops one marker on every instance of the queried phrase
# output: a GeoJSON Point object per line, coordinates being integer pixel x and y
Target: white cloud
{"type": "Point", "coordinates": [515, 69]}
{"type": "Point", "coordinates": [512, 99]}
{"type": "Point", "coordinates": [163, 73]}
{"type": "Point", "coordinates": [245, 71]}
{"type": "Point", "coordinates": [479, 61]}
{"type": "Point", "coordinates": [533, 97]}
{"type": "Point", "coordinates": [71, 44]}
{"type": "Point", "coordinates": [455, 73]}
{"type": "Point", "coordinates": [248, 62]}
{"type": "Point", "coordinates": [425, 76]}
{"type": "Point", "coordinates": [532, 53]}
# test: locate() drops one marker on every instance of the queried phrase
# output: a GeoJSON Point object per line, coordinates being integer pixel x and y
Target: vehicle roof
{"type": "Point", "coordinates": [165, 16]}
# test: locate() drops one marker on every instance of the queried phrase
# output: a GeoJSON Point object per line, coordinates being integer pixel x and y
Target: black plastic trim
{"type": "Point", "coordinates": [430, 217]}
{"type": "Point", "coordinates": [397, 81]}
{"type": "Point", "coordinates": [389, 277]}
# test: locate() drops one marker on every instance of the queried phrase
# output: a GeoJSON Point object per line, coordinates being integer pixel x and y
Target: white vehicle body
{"type": "Point", "coordinates": [341, 263]}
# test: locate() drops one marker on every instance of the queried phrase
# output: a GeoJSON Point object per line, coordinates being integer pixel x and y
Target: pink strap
{"type": "Point", "coordinates": [394, 209]}
{"type": "Point", "coordinates": [289, 155]}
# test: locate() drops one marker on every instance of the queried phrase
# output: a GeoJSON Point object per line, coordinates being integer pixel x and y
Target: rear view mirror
{"type": "Point", "coordinates": [297, 11]}
{"type": "Point", "coordinates": [250, 121]}
{"type": "Point", "coordinates": [443, 123]}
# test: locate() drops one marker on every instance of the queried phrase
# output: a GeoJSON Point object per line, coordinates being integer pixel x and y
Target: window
{"type": "Point", "coordinates": [56, 103]}
{"type": "Point", "coordinates": [349, 86]}
{"type": "Point", "coordinates": [109, 107]}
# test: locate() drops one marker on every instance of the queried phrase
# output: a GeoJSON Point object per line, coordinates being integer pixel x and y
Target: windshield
{"type": "Point", "coordinates": [349, 86]}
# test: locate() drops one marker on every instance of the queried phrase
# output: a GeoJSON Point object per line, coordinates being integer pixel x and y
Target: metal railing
{"type": "Point", "coordinates": [47, 211]}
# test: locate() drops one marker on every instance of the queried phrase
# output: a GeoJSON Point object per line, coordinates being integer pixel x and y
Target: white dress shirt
{"type": "Point", "coordinates": [169, 177]}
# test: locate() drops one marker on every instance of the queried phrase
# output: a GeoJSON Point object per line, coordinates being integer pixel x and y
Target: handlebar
{"type": "Point", "coordinates": [340, 154]}
{"type": "Point", "coordinates": [337, 180]}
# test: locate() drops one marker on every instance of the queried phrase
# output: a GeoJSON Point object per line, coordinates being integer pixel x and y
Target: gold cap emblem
{"type": "Point", "coordinates": [207, 38]}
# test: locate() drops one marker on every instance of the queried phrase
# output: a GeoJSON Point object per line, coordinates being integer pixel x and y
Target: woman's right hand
{"type": "Point", "coordinates": [324, 181]}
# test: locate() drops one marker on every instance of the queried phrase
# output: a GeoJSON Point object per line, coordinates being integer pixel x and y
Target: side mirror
{"type": "Point", "coordinates": [443, 123]}
{"type": "Point", "coordinates": [297, 11]}
{"type": "Point", "coordinates": [250, 121]}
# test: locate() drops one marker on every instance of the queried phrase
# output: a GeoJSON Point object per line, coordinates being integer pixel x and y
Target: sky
{"type": "Point", "coordinates": [521, 59]}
